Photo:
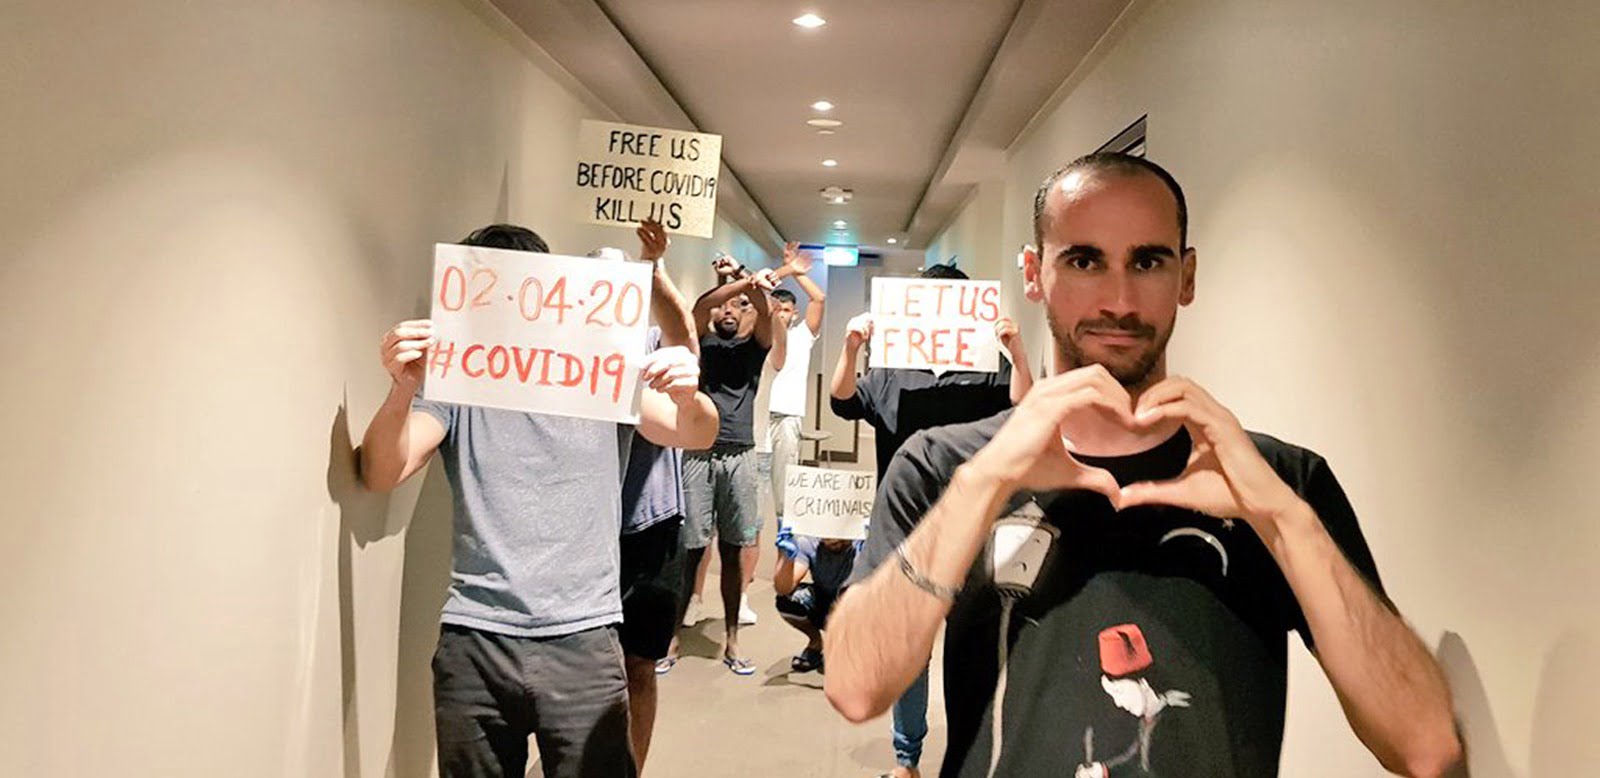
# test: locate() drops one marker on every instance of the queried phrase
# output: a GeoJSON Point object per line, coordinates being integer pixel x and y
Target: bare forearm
{"type": "Point", "coordinates": [1393, 692]}
{"type": "Point", "coordinates": [1021, 374]}
{"type": "Point", "coordinates": [385, 446]}
{"type": "Point", "coordinates": [843, 386]}
{"type": "Point", "coordinates": [671, 312]}
{"type": "Point", "coordinates": [881, 633]}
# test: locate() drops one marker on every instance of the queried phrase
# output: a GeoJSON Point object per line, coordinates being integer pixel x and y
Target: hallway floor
{"type": "Point", "coordinates": [713, 723]}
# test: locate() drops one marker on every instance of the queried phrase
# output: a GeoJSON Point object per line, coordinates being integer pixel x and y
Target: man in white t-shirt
{"type": "Point", "coordinates": [787, 403]}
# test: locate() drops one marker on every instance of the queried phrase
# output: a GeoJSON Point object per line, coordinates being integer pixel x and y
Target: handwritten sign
{"type": "Point", "coordinates": [627, 174]}
{"type": "Point", "coordinates": [828, 503]}
{"type": "Point", "coordinates": [935, 324]}
{"type": "Point", "coordinates": [538, 332]}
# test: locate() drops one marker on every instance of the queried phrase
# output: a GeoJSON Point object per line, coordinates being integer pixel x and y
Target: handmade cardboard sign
{"type": "Point", "coordinates": [538, 332]}
{"type": "Point", "coordinates": [828, 503]}
{"type": "Point", "coordinates": [935, 324]}
{"type": "Point", "coordinates": [627, 174]}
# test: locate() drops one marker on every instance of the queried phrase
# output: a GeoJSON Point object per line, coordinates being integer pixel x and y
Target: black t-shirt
{"type": "Point", "coordinates": [1154, 641]}
{"type": "Point", "coordinates": [900, 403]}
{"type": "Point", "coordinates": [730, 374]}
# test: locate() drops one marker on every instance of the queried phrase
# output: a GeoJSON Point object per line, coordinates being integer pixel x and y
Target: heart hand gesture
{"type": "Point", "coordinates": [1226, 476]}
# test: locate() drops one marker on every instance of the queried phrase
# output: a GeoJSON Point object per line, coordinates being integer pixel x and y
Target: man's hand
{"type": "Point", "coordinates": [1006, 332]}
{"type": "Point", "coordinates": [858, 330]}
{"type": "Point", "coordinates": [673, 371]}
{"type": "Point", "coordinates": [798, 262]}
{"type": "Point", "coordinates": [766, 279]}
{"type": "Point", "coordinates": [1226, 476]}
{"type": "Point", "coordinates": [725, 266]}
{"type": "Point", "coordinates": [403, 350]}
{"type": "Point", "coordinates": [1030, 452]}
{"type": "Point", "coordinates": [786, 542]}
{"type": "Point", "coordinates": [653, 240]}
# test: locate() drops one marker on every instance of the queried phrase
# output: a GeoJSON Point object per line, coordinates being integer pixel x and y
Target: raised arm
{"type": "Point", "coordinates": [667, 304]}
{"type": "Point", "coordinates": [732, 281]}
{"type": "Point", "coordinates": [673, 413]}
{"type": "Point", "coordinates": [857, 332]}
{"type": "Point", "coordinates": [398, 441]}
{"type": "Point", "coordinates": [1010, 338]}
{"type": "Point", "coordinates": [799, 264]}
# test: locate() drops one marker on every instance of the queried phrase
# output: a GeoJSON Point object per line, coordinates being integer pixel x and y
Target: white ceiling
{"type": "Point", "coordinates": [931, 93]}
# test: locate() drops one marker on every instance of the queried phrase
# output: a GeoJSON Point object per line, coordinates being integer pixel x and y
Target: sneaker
{"type": "Point", "coordinates": [694, 614]}
{"type": "Point", "coordinates": [747, 616]}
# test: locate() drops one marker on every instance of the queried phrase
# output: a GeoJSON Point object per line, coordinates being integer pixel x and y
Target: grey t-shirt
{"type": "Point", "coordinates": [538, 519]}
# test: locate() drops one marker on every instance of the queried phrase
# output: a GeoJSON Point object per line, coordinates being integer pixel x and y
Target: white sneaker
{"type": "Point", "coordinates": [746, 615]}
{"type": "Point", "coordinates": [693, 615]}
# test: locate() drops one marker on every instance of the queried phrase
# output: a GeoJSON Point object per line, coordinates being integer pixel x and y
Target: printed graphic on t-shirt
{"type": "Point", "coordinates": [1124, 656]}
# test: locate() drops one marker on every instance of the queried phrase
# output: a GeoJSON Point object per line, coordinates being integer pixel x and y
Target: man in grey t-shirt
{"type": "Point", "coordinates": [528, 644]}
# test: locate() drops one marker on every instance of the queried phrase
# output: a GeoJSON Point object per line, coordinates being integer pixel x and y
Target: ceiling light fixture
{"type": "Point", "coordinates": [841, 224]}
{"type": "Point", "coordinates": [836, 195]}
{"type": "Point", "coordinates": [825, 132]}
{"type": "Point", "coordinates": [822, 105]}
{"type": "Point", "coordinates": [809, 21]}
{"type": "Point", "coordinates": [827, 123]}
{"type": "Point", "coordinates": [893, 241]}
{"type": "Point", "coordinates": [830, 163]}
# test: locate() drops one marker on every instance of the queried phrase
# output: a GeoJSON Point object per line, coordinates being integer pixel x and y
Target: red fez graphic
{"type": "Point", "coordinates": [1123, 650]}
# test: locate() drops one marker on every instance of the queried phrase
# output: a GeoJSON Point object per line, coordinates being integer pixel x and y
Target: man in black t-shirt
{"type": "Point", "coordinates": [719, 483]}
{"type": "Point", "coordinates": [899, 403]}
{"type": "Point", "coordinates": [1117, 560]}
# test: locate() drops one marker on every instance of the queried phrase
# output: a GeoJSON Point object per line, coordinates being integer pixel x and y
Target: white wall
{"type": "Point", "coordinates": [211, 213]}
{"type": "Point", "coordinates": [1395, 207]}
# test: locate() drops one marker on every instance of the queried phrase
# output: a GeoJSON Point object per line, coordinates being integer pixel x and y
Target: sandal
{"type": "Point", "coordinates": [806, 661]}
{"type": "Point", "coordinates": [739, 665]}
{"type": "Point", "coordinates": [665, 664]}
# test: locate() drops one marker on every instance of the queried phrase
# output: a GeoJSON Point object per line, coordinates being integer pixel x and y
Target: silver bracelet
{"type": "Point", "coordinates": [917, 579]}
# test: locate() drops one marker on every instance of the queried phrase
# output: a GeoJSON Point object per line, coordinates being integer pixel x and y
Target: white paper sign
{"type": "Point", "coordinates": [934, 324]}
{"type": "Point", "coordinates": [538, 332]}
{"type": "Point", "coordinates": [627, 174]}
{"type": "Point", "coordinates": [828, 503]}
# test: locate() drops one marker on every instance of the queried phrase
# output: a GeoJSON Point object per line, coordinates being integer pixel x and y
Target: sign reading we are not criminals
{"type": "Point", "coordinates": [935, 324]}
{"type": "Point", "coordinates": [825, 503]}
{"type": "Point", "coordinates": [627, 174]}
{"type": "Point", "coordinates": [538, 332]}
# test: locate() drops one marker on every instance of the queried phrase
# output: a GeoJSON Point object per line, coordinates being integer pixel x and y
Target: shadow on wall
{"type": "Point", "coordinates": [363, 518]}
{"type": "Point", "coordinates": [1562, 742]}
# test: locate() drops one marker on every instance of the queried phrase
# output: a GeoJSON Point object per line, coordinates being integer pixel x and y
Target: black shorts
{"type": "Point", "coordinates": [652, 584]}
{"type": "Point", "coordinates": [810, 603]}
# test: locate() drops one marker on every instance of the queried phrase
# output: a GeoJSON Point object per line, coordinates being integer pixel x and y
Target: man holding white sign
{"type": "Point", "coordinates": [941, 321]}
{"type": "Point", "coordinates": [528, 644]}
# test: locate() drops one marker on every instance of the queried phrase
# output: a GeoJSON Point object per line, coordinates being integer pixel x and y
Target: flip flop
{"type": "Point", "coordinates": [665, 664]}
{"type": "Point", "coordinates": [806, 661]}
{"type": "Point", "coordinates": [739, 665]}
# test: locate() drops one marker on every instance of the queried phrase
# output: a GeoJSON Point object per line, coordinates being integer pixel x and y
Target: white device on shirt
{"type": "Point", "coordinates": [1018, 548]}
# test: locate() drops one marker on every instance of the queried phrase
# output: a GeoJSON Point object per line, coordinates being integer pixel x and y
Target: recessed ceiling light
{"type": "Point", "coordinates": [809, 21]}
{"type": "Point", "coordinates": [841, 224]}
{"type": "Point", "coordinates": [822, 105]}
{"type": "Point", "coordinates": [893, 241]}
{"type": "Point", "coordinates": [828, 123]}
{"type": "Point", "coordinates": [825, 132]}
{"type": "Point", "coordinates": [839, 200]}
{"type": "Point", "coordinates": [830, 163]}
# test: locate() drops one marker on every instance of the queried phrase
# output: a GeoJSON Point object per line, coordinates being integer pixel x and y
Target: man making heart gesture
{"type": "Point", "coordinates": [1117, 551]}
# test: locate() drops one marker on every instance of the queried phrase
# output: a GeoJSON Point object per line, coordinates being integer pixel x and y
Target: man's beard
{"type": "Point", "coordinates": [1131, 372]}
